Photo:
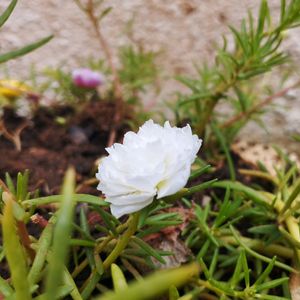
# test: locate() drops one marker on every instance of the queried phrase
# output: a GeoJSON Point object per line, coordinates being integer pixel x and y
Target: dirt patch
{"type": "Point", "coordinates": [55, 138]}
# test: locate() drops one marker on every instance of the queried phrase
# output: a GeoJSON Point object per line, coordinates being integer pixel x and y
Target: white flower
{"type": "Point", "coordinates": [155, 161]}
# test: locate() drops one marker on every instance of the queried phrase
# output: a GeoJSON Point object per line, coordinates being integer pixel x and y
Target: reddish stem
{"type": "Point", "coordinates": [259, 106]}
{"type": "Point", "coordinates": [24, 237]}
{"type": "Point", "coordinates": [39, 220]}
{"type": "Point", "coordinates": [118, 116]}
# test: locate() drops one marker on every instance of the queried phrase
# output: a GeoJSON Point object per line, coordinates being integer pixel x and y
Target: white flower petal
{"type": "Point", "coordinates": [120, 210]}
{"type": "Point", "coordinates": [130, 199]}
{"type": "Point", "coordinates": [173, 184]}
{"type": "Point", "coordinates": [154, 161]}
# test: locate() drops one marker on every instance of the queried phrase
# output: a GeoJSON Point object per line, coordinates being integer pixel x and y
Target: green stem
{"type": "Point", "coordinates": [122, 243]}
{"type": "Point", "coordinates": [70, 282]}
{"type": "Point", "coordinates": [25, 239]}
{"type": "Point", "coordinates": [99, 248]}
{"type": "Point", "coordinates": [259, 174]}
{"type": "Point", "coordinates": [267, 199]}
{"type": "Point", "coordinates": [211, 103]}
{"type": "Point", "coordinates": [209, 286]}
{"type": "Point", "coordinates": [260, 246]}
{"type": "Point", "coordinates": [210, 106]}
{"type": "Point", "coordinates": [259, 256]}
{"type": "Point", "coordinates": [292, 225]}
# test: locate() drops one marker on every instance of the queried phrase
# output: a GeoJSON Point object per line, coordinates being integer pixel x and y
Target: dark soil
{"type": "Point", "coordinates": [58, 137]}
{"type": "Point", "coordinates": [49, 147]}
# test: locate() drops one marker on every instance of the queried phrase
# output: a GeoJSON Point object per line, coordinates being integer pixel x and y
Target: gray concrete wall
{"type": "Point", "coordinates": [185, 31]}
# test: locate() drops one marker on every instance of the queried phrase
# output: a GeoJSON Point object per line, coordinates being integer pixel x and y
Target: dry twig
{"type": "Point", "coordinates": [89, 10]}
{"type": "Point", "coordinates": [259, 106]}
{"type": "Point", "coordinates": [14, 137]}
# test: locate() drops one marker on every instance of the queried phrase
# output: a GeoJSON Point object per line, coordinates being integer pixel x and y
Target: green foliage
{"type": "Point", "coordinates": [5, 15]}
{"type": "Point", "coordinates": [61, 237]}
{"type": "Point", "coordinates": [137, 72]}
{"type": "Point", "coordinates": [60, 83]}
{"type": "Point", "coordinates": [237, 260]}
{"type": "Point", "coordinates": [246, 239]}
{"type": "Point", "coordinates": [296, 137]}
{"type": "Point", "coordinates": [118, 278]}
{"type": "Point", "coordinates": [10, 93]}
{"type": "Point", "coordinates": [238, 285]}
{"type": "Point", "coordinates": [15, 256]}
{"type": "Point", "coordinates": [121, 242]}
{"type": "Point", "coordinates": [154, 285]}
{"type": "Point", "coordinates": [235, 73]}
{"type": "Point", "coordinates": [22, 51]}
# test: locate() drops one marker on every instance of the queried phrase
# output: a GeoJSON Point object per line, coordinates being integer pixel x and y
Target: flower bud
{"type": "Point", "coordinates": [86, 78]}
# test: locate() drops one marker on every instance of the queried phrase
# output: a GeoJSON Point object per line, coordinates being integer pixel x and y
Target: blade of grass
{"type": "Point", "coordinates": [5, 289]}
{"type": "Point", "coordinates": [173, 293]}
{"type": "Point", "coordinates": [266, 272]}
{"type": "Point", "coordinates": [148, 249]}
{"type": "Point", "coordinates": [40, 258]}
{"type": "Point", "coordinates": [22, 51]}
{"type": "Point", "coordinates": [62, 291]}
{"type": "Point", "coordinates": [271, 284]}
{"type": "Point", "coordinates": [118, 278]}
{"type": "Point", "coordinates": [199, 172]}
{"type": "Point", "coordinates": [15, 254]}
{"type": "Point", "coordinates": [291, 198]}
{"type": "Point", "coordinates": [19, 186]}
{"type": "Point", "coordinates": [69, 281]}
{"type": "Point", "coordinates": [225, 148]}
{"type": "Point", "coordinates": [259, 256]}
{"type": "Point", "coordinates": [154, 285]}
{"type": "Point", "coordinates": [80, 198]}
{"type": "Point", "coordinates": [61, 240]}
{"type": "Point", "coordinates": [200, 187]}
{"type": "Point", "coordinates": [254, 195]}
{"type": "Point", "coordinates": [85, 227]}
{"type": "Point", "coordinates": [5, 15]}
{"type": "Point", "coordinates": [10, 183]}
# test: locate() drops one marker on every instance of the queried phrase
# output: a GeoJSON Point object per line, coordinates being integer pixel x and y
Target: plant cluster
{"type": "Point", "coordinates": [239, 236]}
{"type": "Point", "coordinates": [137, 70]}
{"type": "Point", "coordinates": [232, 259]}
{"type": "Point", "coordinates": [257, 51]}
{"type": "Point", "coordinates": [125, 82]}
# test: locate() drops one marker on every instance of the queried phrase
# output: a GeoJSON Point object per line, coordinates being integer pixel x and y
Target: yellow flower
{"type": "Point", "coordinates": [11, 89]}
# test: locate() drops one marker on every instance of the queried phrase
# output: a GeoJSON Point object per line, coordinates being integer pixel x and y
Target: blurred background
{"type": "Point", "coordinates": [184, 33]}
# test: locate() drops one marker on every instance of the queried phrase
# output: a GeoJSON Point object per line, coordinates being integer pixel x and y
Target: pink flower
{"type": "Point", "coordinates": [87, 78]}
